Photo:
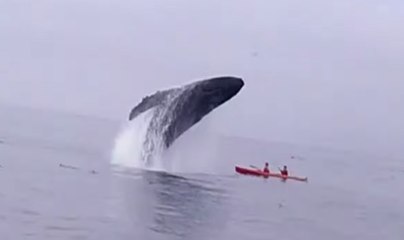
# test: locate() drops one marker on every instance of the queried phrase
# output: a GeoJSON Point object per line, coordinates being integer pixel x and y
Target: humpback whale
{"type": "Point", "coordinates": [178, 109]}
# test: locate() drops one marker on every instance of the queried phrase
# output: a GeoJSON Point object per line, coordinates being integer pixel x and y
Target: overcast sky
{"type": "Point", "coordinates": [329, 72]}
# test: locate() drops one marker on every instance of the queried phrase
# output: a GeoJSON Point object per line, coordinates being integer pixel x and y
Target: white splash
{"type": "Point", "coordinates": [130, 150]}
{"type": "Point", "coordinates": [140, 143]}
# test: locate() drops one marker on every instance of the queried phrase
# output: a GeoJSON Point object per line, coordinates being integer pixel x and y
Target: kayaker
{"type": "Point", "coordinates": [284, 171]}
{"type": "Point", "coordinates": [266, 168]}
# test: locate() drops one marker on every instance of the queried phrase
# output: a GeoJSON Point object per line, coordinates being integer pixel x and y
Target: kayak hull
{"type": "Point", "coordinates": [260, 173]}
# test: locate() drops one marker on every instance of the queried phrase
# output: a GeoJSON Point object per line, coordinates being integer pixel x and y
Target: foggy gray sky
{"type": "Point", "coordinates": [316, 72]}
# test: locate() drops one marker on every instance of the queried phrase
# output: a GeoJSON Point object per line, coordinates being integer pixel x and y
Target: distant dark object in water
{"type": "Point", "coordinates": [67, 166]}
{"type": "Point", "coordinates": [297, 157]}
{"type": "Point", "coordinates": [178, 109]}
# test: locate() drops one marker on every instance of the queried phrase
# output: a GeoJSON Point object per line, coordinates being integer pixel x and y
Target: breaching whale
{"type": "Point", "coordinates": [178, 109]}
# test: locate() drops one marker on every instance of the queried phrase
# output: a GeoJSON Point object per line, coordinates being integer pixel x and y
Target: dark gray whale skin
{"type": "Point", "coordinates": [178, 109]}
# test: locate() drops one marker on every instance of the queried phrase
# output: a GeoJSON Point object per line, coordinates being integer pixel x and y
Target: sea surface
{"type": "Point", "coordinates": [57, 182]}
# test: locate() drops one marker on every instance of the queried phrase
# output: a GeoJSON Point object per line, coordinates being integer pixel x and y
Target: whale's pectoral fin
{"type": "Point", "coordinates": [147, 103]}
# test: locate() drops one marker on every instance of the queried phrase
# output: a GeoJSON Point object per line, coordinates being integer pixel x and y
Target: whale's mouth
{"type": "Point", "coordinates": [222, 88]}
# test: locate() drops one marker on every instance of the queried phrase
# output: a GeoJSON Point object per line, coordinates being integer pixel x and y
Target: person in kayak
{"type": "Point", "coordinates": [266, 168]}
{"type": "Point", "coordinates": [284, 171]}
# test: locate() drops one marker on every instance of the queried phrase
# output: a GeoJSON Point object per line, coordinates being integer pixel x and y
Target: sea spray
{"type": "Point", "coordinates": [129, 148]}
{"type": "Point", "coordinates": [140, 143]}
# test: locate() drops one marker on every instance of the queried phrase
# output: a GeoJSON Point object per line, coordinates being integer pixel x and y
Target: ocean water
{"type": "Point", "coordinates": [57, 182]}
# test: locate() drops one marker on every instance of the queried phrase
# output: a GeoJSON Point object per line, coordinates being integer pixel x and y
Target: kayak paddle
{"type": "Point", "coordinates": [255, 167]}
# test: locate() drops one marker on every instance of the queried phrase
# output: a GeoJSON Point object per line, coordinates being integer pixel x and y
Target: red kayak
{"type": "Point", "coordinates": [260, 173]}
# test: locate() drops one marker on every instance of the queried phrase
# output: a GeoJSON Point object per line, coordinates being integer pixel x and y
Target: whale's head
{"type": "Point", "coordinates": [197, 101]}
{"type": "Point", "coordinates": [211, 93]}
